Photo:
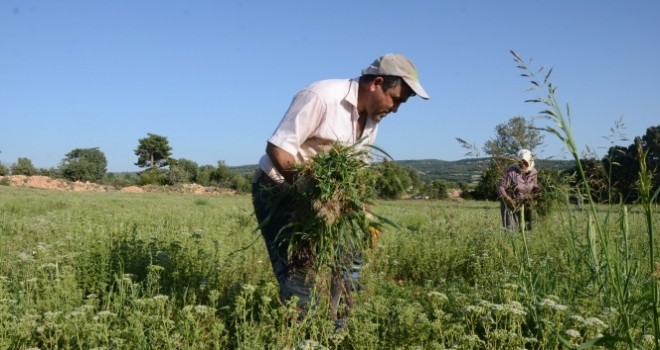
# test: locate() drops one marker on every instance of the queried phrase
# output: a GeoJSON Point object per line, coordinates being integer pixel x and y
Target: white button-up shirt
{"type": "Point", "coordinates": [319, 115]}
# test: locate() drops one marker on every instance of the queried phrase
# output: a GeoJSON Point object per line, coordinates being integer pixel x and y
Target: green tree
{"type": "Point", "coordinates": [153, 152]}
{"type": "Point", "coordinates": [23, 166]}
{"type": "Point", "coordinates": [3, 169]}
{"type": "Point", "coordinates": [182, 171]}
{"type": "Point", "coordinates": [84, 164]}
{"type": "Point", "coordinates": [204, 174]}
{"type": "Point", "coordinates": [393, 181]}
{"type": "Point", "coordinates": [511, 136]}
{"type": "Point", "coordinates": [651, 142]}
{"type": "Point", "coordinates": [487, 186]}
{"type": "Point", "coordinates": [437, 190]}
{"type": "Point", "coordinates": [222, 175]}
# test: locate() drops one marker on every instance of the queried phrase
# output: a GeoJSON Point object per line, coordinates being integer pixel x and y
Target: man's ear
{"type": "Point", "coordinates": [376, 83]}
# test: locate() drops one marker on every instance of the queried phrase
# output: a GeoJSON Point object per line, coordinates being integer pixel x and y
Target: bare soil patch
{"type": "Point", "coordinates": [47, 183]}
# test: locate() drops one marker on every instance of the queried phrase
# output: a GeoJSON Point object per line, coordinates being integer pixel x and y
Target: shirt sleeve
{"type": "Point", "coordinates": [504, 184]}
{"type": "Point", "coordinates": [303, 117]}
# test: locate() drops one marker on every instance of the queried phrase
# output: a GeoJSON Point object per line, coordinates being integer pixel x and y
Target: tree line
{"type": "Point", "coordinates": [612, 178]}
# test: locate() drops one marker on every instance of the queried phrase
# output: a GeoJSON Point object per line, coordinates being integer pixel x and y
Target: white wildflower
{"type": "Point", "coordinates": [437, 295]}
{"type": "Point", "coordinates": [309, 344]}
{"type": "Point", "coordinates": [572, 333]}
{"type": "Point", "coordinates": [24, 256]}
{"type": "Point", "coordinates": [497, 308]}
{"type": "Point", "coordinates": [75, 314]}
{"type": "Point", "coordinates": [87, 308]}
{"type": "Point", "coordinates": [204, 310]}
{"type": "Point", "coordinates": [49, 266]}
{"type": "Point", "coordinates": [161, 298]}
{"type": "Point", "coordinates": [248, 288]}
{"type": "Point", "coordinates": [105, 314]}
{"type": "Point", "coordinates": [578, 319]}
{"type": "Point", "coordinates": [559, 307]}
{"type": "Point", "coordinates": [474, 309]}
{"type": "Point", "coordinates": [51, 315]}
{"type": "Point", "coordinates": [596, 322]}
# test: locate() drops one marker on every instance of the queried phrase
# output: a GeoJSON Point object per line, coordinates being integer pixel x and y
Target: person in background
{"type": "Point", "coordinates": [515, 190]}
{"type": "Point", "coordinates": [321, 114]}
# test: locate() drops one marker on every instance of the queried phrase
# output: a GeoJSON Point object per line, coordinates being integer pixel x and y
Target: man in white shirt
{"type": "Point", "coordinates": [323, 113]}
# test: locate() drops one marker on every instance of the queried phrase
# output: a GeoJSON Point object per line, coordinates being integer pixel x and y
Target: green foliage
{"type": "Point", "coordinates": [153, 177]}
{"type": "Point", "coordinates": [204, 175]}
{"type": "Point", "coordinates": [327, 203]}
{"type": "Point", "coordinates": [436, 190]}
{"type": "Point", "coordinates": [393, 180]}
{"type": "Point", "coordinates": [3, 170]}
{"type": "Point", "coordinates": [121, 180]}
{"type": "Point", "coordinates": [171, 270]}
{"type": "Point", "coordinates": [182, 171]}
{"type": "Point", "coordinates": [84, 164]}
{"type": "Point", "coordinates": [487, 185]}
{"type": "Point", "coordinates": [23, 166]}
{"type": "Point", "coordinates": [510, 137]}
{"type": "Point", "coordinates": [153, 151]}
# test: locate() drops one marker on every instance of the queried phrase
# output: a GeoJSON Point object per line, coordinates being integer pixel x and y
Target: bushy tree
{"type": "Point", "coordinates": [3, 169]}
{"type": "Point", "coordinates": [153, 151]}
{"type": "Point", "coordinates": [23, 166]}
{"type": "Point", "coordinates": [487, 186]}
{"type": "Point", "coordinates": [511, 136]}
{"type": "Point", "coordinates": [84, 164]}
{"type": "Point", "coordinates": [182, 171]}
{"type": "Point", "coordinates": [393, 181]}
{"type": "Point", "coordinates": [651, 142]}
{"type": "Point", "coordinates": [204, 174]}
{"type": "Point", "coordinates": [436, 189]}
{"type": "Point", "coordinates": [153, 176]}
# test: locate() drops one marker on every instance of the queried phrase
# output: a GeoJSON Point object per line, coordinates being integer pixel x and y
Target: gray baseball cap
{"type": "Point", "coordinates": [400, 66]}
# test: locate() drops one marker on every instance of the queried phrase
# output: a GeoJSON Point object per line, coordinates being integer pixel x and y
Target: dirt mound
{"type": "Point", "coordinates": [47, 183]}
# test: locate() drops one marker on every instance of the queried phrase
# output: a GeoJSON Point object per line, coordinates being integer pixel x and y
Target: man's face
{"type": "Point", "coordinates": [381, 102]}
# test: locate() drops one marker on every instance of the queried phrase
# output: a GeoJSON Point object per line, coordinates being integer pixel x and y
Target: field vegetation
{"type": "Point", "coordinates": [176, 271]}
{"type": "Point", "coordinates": [158, 270]}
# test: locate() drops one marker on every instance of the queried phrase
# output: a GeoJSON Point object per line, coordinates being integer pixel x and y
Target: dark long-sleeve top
{"type": "Point", "coordinates": [516, 184]}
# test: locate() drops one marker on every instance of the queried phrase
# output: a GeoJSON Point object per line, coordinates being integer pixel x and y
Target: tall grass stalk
{"type": "Point", "coordinates": [607, 266]}
{"type": "Point", "coordinates": [646, 199]}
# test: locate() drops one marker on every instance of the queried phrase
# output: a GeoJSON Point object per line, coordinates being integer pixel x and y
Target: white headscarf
{"type": "Point", "coordinates": [525, 154]}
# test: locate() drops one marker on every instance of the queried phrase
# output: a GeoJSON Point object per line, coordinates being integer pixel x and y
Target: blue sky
{"type": "Point", "coordinates": [215, 77]}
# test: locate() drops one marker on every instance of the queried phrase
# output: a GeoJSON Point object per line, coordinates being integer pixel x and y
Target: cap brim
{"type": "Point", "coordinates": [416, 87]}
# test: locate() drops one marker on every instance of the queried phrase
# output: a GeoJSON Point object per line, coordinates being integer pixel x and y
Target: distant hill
{"type": "Point", "coordinates": [464, 170]}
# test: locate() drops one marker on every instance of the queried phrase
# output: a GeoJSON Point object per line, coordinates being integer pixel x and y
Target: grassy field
{"type": "Point", "coordinates": [175, 271]}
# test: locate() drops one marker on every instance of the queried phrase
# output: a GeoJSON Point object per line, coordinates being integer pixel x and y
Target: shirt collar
{"type": "Point", "coordinates": [352, 95]}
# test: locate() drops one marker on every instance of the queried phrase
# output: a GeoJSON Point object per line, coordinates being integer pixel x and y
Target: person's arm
{"type": "Point", "coordinates": [283, 161]}
{"type": "Point", "coordinates": [501, 190]}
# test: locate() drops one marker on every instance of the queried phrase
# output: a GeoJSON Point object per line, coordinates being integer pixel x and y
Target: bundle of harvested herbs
{"type": "Point", "coordinates": [328, 205]}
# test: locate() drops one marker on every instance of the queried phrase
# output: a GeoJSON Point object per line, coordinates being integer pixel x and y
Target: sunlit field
{"type": "Point", "coordinates": [176, 271]}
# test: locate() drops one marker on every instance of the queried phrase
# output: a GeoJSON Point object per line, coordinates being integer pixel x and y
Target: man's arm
{"type": "Point", "coordinates": [283, 161]}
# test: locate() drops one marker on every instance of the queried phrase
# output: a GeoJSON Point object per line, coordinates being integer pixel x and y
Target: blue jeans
{"type": "Point", "coordinates": [272, 223]}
